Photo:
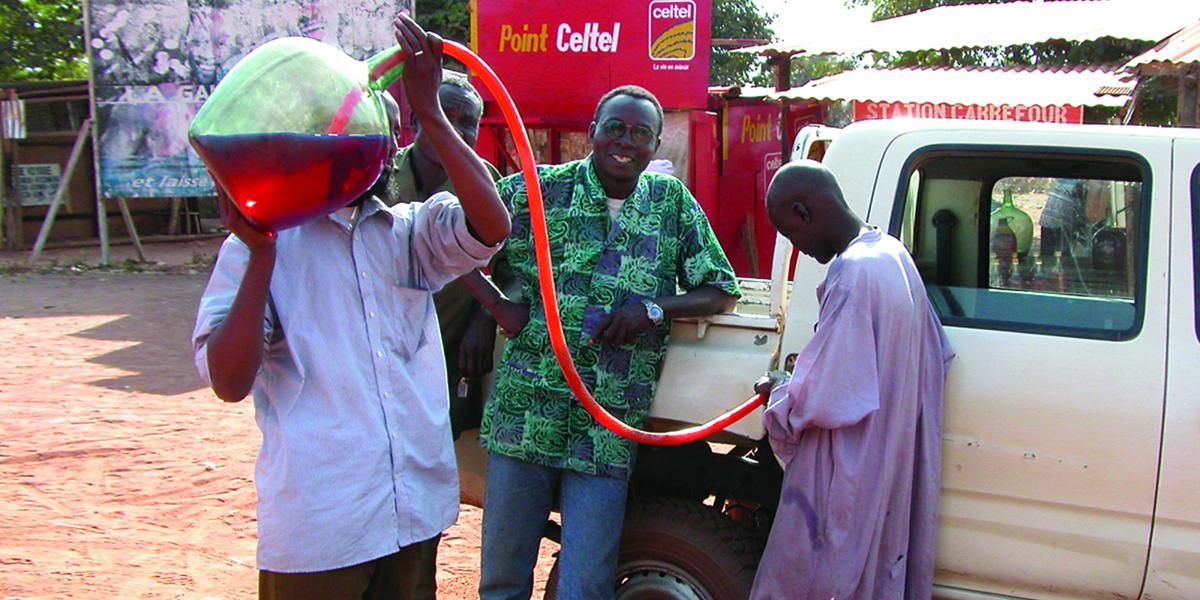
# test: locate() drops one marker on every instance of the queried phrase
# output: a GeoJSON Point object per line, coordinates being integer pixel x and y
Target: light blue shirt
{"type": "Point", "coordinates": [356, 458]}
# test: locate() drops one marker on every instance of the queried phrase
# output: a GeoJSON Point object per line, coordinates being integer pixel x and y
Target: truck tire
{"type": "Point", "coordinates": [674, 549]}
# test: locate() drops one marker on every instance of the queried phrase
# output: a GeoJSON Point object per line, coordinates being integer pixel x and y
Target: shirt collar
{"type": "Point", "coordinates": [373, 205]}
{"type": "Point", "coordinates": [369, 207]}
{"type": "Point", "coordinates": [640, 196]}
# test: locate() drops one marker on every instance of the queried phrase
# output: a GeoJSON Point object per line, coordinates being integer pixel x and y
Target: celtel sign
{"type": "Point", "coordinates": [558, 60]}
{"type": "Point", "coordinates": [672, 29]}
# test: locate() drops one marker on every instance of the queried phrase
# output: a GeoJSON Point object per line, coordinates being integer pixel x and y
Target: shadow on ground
{"type": "Point", "coordinates": [154, 311]}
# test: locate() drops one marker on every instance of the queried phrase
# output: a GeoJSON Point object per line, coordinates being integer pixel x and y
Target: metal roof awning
{"type": "Point", "coordinates": [997, 25]}
{"type": "Point", "coordinates": [1026, 86]}
{"type": "Point", "coordinates": [1173, 53]}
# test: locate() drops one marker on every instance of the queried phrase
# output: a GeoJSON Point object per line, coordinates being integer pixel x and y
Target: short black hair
{"type": "Point", "coordinates": [633, 91]}
{"type": "Point", "coordinates": [462, 82]}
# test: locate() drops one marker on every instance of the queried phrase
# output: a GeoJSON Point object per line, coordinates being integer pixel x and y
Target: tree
{"type": "Point", "coordinates": [739, 19]}
{"type": "Point", "coordinates": [450, 18]}
{"type": "Point", "coordinates": [1157, 104]}
{"type": "Point", "coordinates": [41, 40]}
{"type": "Point", "coordinates": [886, 9]}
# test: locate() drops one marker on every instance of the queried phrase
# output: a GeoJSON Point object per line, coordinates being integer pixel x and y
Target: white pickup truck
{"type": "Point", "coordinates": [1071, 456]}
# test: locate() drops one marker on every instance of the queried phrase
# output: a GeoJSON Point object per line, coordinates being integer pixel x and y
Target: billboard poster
{"type": "Point", "coordinates": [558, 60]}
{"type": "Point", "coordinates": [1050, 113]}
{"type": "Point", "coordinates": [154, 62]}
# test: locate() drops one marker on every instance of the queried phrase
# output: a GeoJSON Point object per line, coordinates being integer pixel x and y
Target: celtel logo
{"type": "Point", "coordinates": [672, 29]}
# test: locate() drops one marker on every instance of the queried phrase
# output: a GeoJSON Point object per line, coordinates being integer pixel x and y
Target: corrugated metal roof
{"type": "Point", "coordinates": [1020, 86]}
{"type": "Point", "coordinates": [1180, 49]}
{"type": "Point", "coordinates": [992, 25]}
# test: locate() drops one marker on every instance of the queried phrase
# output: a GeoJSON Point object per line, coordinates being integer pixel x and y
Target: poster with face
{"type": "Point", "coordinates": [155, 62]}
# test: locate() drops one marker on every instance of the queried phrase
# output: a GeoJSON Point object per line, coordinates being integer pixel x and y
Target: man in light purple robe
{"type": "Point", "coordinates": [858, 426]}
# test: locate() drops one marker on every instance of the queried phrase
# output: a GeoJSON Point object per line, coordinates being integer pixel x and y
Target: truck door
{"type": "Point", "coordinates": [1050, 276]}
{"type": "Point", "coordinates": [1174, 571]}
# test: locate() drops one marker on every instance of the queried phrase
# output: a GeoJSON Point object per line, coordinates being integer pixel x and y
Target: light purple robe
{"type": "Point", "coordinates": [858, 429]}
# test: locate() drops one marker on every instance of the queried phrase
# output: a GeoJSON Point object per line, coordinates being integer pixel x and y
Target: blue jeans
{"type": "Point", "coordinates": [516, 504]}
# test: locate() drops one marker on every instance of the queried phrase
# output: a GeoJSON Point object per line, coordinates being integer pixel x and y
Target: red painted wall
{"type": "Point", "coordinates": [557, 57]}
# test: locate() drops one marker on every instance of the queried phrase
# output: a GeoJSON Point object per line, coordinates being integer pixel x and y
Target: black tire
{"type": "Point", "coordinates": [674, 549]}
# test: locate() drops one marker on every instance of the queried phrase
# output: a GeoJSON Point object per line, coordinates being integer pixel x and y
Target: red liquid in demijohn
{"type": "Point", "coordinates": [281, 180]}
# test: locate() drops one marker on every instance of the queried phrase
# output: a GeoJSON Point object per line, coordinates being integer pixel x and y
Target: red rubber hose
{"type": "Point", "coordinates": [546, 278]}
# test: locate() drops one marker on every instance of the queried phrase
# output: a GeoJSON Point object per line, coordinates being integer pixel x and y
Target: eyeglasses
{"type": "Point", "coordinates": [616, 128]}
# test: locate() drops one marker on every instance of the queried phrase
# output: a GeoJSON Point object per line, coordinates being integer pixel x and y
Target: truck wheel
{"type": "Point", "coordinates": [674, 549]}
{"type": "Point", "coordinates": [677, 549]}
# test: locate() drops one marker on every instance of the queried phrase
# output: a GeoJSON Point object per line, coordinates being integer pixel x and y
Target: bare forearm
{"type": "Point", "coordinates": [700, 302]}
{"type": "Point", "coordinates": [473, 184]}
{"type": "Point", "coordinates": [235, 348]}
{"type": "Point", "coordinates": [482, 289]}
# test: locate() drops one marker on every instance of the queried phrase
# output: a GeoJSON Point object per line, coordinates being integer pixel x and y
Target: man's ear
{"type": "Point", "coordinates": [801, 211]}
{"type": "Point", "coordinates": [592, 131]}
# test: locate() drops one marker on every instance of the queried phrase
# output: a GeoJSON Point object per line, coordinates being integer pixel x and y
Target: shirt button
{"type": "Point", "coordinates": [379, 353]}
{"type": "Point", "coordinates": [393, 436]}
{"type": "Point", "coordinates": [364, 274]}
{"type": "Point", "coordinates": [387, 395]}
{"type": "Point", "coordinates": [372, 313]}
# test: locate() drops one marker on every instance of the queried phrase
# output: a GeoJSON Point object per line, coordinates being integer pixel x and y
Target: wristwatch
{"type": "Point", "coordinates": [653, 311]}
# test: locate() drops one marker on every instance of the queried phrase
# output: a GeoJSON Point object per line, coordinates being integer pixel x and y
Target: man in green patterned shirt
{"type": "Point", "coordinates": [623, 243]}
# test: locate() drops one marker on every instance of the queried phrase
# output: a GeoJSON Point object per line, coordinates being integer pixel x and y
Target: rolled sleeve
{"type": "Point", "coordinates": [442, 244]}
{"type": "Point", "coordinates": [218, 298]}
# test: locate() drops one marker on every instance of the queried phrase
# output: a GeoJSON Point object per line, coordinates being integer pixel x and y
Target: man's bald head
{"type": "Point", "coordinates": [807, 179]}
{"type": "Point", "coordinates": [805, 203]}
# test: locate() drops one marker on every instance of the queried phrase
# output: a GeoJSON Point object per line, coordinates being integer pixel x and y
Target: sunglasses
{"type": "Point", "coordinates": [616, 129]}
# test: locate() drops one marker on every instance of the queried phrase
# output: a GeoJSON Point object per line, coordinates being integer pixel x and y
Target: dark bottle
{"type": "Point", "coordinates": [1004, 248]}
{"type": "Point", "coordinates": [1108, 250]}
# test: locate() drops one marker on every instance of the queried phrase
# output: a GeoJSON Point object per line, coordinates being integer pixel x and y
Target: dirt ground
{"type": "Point", "coordinates": [121, 475]}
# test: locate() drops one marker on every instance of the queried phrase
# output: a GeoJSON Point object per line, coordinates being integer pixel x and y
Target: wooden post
{"type": "Point", "coordinates": [783, 71]}
{"type": "Point", "coordinates": [133, 234]}
{"type": "Point", "coordinates": [1187, 95]}
{"type": "Point", "coordinates": [63, 183]}
{"type": "Point", "coordinates": [16, 235]}
{"type": "Point", "coordinates": [173, 222]}
{"type": "Point", "coordinates": [12, 208]}
{"type": "Point", "coordinates": [1196, 95]}
{"type": "Point", "coordinates": [4, 196]}
{"type": "Point", "coordinates": [102, 225]}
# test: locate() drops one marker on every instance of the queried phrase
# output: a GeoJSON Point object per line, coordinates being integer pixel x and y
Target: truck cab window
{"type": "Point", "coordinates": [1042, 243]}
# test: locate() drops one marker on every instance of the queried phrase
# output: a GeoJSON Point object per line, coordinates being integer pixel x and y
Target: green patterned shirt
{"type": "Point", "coordinates": [659, 242]}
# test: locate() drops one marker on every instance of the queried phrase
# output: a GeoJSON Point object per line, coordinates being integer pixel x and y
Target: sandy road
{"type": "Point", "coordinates": [121, 476]}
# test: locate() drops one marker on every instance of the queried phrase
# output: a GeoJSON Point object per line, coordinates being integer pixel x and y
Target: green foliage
{"type": "Point", "coordinates": [1056, 53]}
{"type": "Point", "coordinates": [886, 9]}
{"type": "Point", "coordinates": [806, 68]}
{"type": "Point", "coordinates": [449, 18]}
{"type": "Point", "coordinates": [1157, 103]}
{"type": "Point", "coordinates": [41, 41]}
{"type": "Point", "coordinates": [739, 19]}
